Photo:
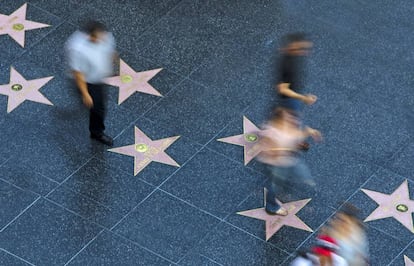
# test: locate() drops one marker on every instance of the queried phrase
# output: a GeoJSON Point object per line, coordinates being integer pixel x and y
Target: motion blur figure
{"type": "Point", "coordinates": [91, 54]}
{"type": "Point", "coordinates": [349, 232]}
{"type": "Point", "coordinates": [279, 145]}
{"type": "Point", "coordinates": [290, 83]}
{"type": "Point", "coordinates": [324, 253]}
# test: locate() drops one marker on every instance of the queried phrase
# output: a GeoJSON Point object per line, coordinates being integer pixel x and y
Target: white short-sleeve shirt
{"type": "Point", "coordinates": [93, 60]}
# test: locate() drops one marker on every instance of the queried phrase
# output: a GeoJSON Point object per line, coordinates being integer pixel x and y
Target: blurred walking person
{"type": "Point", "coordinates": [349, 232]}
{"type": "Point", "coordinates": [290, 80]}
{"type": "Point", "coordinates": [279, 145]}
{"type": "Point", "coordinates": [91, 54]}
{"type": "Point", "coordinates": [324, 253]}
{"type": "Point", "coordinates": [291, 75]}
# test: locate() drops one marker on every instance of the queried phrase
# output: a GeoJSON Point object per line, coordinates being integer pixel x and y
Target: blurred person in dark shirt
{"type": "Point", "coordinates": [290, 79]}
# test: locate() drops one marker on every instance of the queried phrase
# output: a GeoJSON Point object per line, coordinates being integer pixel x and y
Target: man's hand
{"type": "Point", "coordinates": [309, 99]}
{"type": "Point", "coordinates": [87, 100]}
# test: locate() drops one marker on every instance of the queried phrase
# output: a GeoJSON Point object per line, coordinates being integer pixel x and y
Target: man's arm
{"type": "Point", "coordinates": [284, 89]}
{"type": "Point", "coordinates": [83, 88]}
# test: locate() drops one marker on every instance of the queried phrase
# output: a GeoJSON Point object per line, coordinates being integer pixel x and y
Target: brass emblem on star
{"type": "Point", "coordinates": [126, 78]}
{"type": "Point", "coordinates": [141, 147]}
{"type": "Point", "coordinates": [16, 87]}
{"type": "Point", "coordinates": [251, 137]}
{"type": "Point", "coordinates": [18, 27]}
{"type": "Point", "coordinates": [402, 208]}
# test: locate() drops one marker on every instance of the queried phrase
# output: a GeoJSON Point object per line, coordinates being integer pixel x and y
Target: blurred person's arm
{"type": "Point", "coordinates": [283, 88]}
{"type": "Point", "coordinates": [83, 88]}
{"type": "Point", "coordinates": [78, 65]}
{"type": "Point", "coordinates": [310, 132]}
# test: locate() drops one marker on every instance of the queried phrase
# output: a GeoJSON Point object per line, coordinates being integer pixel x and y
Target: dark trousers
{"type": "Point", "coordinates": [97, 112]}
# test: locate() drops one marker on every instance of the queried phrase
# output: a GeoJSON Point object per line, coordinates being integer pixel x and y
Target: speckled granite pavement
{"type": "Point", "coordinates": [67, 200]}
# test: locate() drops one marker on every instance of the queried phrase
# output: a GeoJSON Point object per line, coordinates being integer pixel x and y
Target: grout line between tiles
{"type": "Point", "coordinates": [11, 254]}
{"type": "Point", "coordinates": [20, 214]}
{"type": "Point", "coordinates": [84, 247]}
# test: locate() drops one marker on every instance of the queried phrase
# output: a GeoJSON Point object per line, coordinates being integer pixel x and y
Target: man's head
{"type": "Point", "coordinates": [296, 44]}
{"type": "Point", "coordinates": [95, 30]}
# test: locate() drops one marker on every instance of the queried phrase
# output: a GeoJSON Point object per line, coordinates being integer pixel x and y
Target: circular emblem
{"type": "Point", "coordinates": [251, 137]}
{"type": "Point", "coordinates": [16, 87]}
{"type": "Point", "coordinates": [402, 208]}
{"type": "Point", "coordinates": [18, 27]}
{"type": "Point", "coordinates": [141, 147]}
{"type": "Point", "coordinates": [126, 78]}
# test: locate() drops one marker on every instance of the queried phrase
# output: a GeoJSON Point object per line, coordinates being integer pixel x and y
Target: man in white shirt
{"type": "Point", "coordinates": [91, 54]}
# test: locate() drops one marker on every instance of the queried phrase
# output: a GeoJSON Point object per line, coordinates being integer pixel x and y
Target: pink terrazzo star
{"type": "Point", "coordinates": [249, 140]}
{"type": "Point", "coordinates": [275, 222]}
{"type": "Point", "coordinates": [146, 150]}
{"type": "Point", "coordinates": [130, 81]}
{"type": "Point", "coordinates": [19, 90]}
{"type": "Point", "coordinates": [397, 205]}
{"type": "Point", "coordinates": [15, 25]}
{"type": "Point", "coordinates": [408, 262]}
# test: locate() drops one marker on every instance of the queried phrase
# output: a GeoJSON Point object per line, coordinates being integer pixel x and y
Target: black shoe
{"type": "Point", "coordinates": [107, 140]}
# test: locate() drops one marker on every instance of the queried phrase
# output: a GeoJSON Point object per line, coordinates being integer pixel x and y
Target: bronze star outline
{"type": "Point", "coordinates": [145, 151]}
{"type": "Point", "coordinates": [275, 222]}
{"type": "Point", "coordinates": [397, 205]}
{"type": "Point", "coordinates": [19, 90]}
{"type": "Point", "coordinates": [249, 140]}
{"type": "Point", "coordinates": [15, 25]}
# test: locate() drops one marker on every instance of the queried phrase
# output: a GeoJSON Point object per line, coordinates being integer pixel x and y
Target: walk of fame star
{"type": "Point", "coordinates": [397, 205]}
{"type": "Point", "coordinates": [146, 151]}
{"type": "Point", "coordinates": [15, 25]}
{"type": "Point", "coordinates": [19, 89]}
{"type": "Point", "coordinates": [130, 81]}
{"type": "Point", "coordinates": [249, 140]}
{"type": "Point", "coordinates": [275, 222]}
{"type": "Point", "coordinates": [408, 262]}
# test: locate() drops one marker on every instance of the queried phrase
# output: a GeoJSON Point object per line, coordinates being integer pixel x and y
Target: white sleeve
{"type": "Point", "coordinates": [339, 261]}
{"type": "Point", "coordinates": [76, 61]}
{"type": "Point", "coordinates": [111, 42]}
{"type": "Point", "coordinates": [301, 262]}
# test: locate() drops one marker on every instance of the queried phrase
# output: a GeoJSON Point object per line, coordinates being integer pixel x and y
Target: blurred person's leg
{"type": "Point", "coordinates": [274, 184]}
{"type": "Point", "coordinates": [300, 173]}
{"type": "Point", "coordinates": [97, 112]}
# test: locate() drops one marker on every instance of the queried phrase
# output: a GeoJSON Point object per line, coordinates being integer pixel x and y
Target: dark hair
{"type": "Point", "coordinates": [93, 26]}
{"type": "Point", "coordinates": [294, 37]}
{"type": "Point", "coordinates": [280, 113]}
{"type": "Point", "coordinates": [350, 210]}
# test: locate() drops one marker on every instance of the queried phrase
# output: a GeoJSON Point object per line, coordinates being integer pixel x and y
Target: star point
{"type": "Point", "coordinates": [19, 90]}
{"type": "Point", "coordinates": [397, 205]}
{"type": "Point", "coordinates": [130, 81]}
{"type": "Point", "coordinates": [249, 140]}
{"type": "Point", "coordinates": [275, 222]}
{"type": "Point", "coordinates": [408, 262]}
{"type": "Point", "coordinates": [145, 151]}
{"type": "Point", "coordinates": [15, 25]}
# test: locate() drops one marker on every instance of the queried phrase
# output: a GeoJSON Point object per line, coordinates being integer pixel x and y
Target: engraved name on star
{"type": "Point", "coordinates": [397, 205]}
{"type": "Point", "coordinates": [15, 25]}
{"type": "Point", "coordinates": [19, 90]}
{"type": "Point", "coordinates": [408, 262]}
{"type": "Point", "coordinates": [249, 140]}
{"type": "Point", "coordinates": [130, 81]}
{"type": "Point", "coordinates": [275, 222]}
{"type": "Point", "coordinates": [145, 151]}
